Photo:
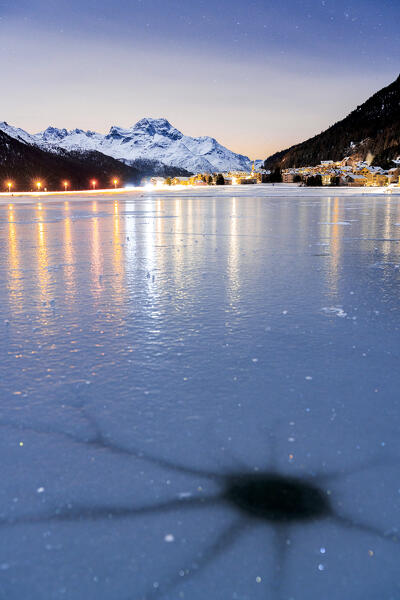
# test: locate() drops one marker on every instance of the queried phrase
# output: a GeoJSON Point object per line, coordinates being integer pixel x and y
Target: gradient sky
{"type": "Point", "coordinates": [259, 76]}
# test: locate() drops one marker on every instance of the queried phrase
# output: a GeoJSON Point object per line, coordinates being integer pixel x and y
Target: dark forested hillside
{"type": "Point", "coordinates": [24, 165]}
{"type": "Point", "coordinates": [371, 131]}
{"type": "Point", "coordinates": [154, 167]}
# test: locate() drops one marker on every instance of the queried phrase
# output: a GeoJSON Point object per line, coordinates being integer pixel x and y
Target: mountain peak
{"type": "Point", "coordinates": [160, 123]}
{"type": "Point", "coordinates": [53, 133]}
{"type": "Point", "coordinates": [117, 132]}
{"type": "Point", "coordinates": [154, 127]}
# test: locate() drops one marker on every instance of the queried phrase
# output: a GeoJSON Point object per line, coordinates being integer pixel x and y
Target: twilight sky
{"type": "Point", "coordinates": [259, 76]}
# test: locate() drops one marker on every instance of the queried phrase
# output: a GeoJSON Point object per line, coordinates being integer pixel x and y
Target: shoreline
{"type": "Point", "coordinates": [262, 190]}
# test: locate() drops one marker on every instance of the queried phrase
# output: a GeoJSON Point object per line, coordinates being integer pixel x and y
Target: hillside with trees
{"type": "Point", "coordinates": [24, 164]}
{"type": "Point", "coordinates": [370, 132]}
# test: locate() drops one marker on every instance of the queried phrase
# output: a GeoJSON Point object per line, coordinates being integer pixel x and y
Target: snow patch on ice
{"type": "Point", "coordinates": [334, 311]}
{"type": "Point", "coordinates": [385, 265]}
{"type": "Point", "coordinates": [334, 223]}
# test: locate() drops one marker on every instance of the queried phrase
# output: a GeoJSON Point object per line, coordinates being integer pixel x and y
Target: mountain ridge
{"type": "Point", "coordinates": [148, 139]}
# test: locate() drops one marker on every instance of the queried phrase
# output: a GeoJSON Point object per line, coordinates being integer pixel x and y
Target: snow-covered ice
{"type": "Point", "coordinates": [150, 339]}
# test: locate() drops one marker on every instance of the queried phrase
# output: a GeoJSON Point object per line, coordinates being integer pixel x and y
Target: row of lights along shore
{"type": "Point", "coordinates": [39, 185]}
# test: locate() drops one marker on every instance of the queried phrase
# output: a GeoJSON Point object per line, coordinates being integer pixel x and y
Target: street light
{"type": "Point", "coordinates": [94, 182]}
{"type": "Point", "coordinates": [38, 185]}
{"type": "Point", "coordinates": [66, 185]}
{"type": "Point", "coordinates": [9, 185]}
{"type": "Point", "coordinates": [115, 182]}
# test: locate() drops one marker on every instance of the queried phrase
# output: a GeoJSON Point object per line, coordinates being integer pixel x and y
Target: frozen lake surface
{"type": "Point", "coordinates": [152, 346]}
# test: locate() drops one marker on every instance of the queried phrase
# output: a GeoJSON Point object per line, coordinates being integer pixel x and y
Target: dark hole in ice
{"type": "Point", "coordinates": [260, 498]}
{"type": "Point", "coordinates": [277, 498]}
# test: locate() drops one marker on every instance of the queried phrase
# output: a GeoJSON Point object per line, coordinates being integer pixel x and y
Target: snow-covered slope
{"type": "Point", "coordinates": [75, 139]}
{"type": "Point", "coordinates": [152, 139]}
{"type": "Point", "coordinates": [17, 133]}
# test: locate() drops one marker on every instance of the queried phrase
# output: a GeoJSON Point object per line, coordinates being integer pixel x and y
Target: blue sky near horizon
{"type": "Point", "coordinates": [258, 76]}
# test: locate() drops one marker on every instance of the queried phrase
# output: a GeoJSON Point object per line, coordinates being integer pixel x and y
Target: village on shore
{"type": "Point", "coordinates": [346, 172]}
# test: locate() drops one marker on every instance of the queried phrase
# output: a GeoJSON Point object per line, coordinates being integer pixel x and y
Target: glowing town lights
{"type": "Point", "coordinates": [115, 182]}
{"type": "Point", "coordinates": [94, 183]}
{"type": "Point", "coordinates": [66, 184]}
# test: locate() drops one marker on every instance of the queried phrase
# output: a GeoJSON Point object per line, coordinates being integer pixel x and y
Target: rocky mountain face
{"type": "Point", "coordinates": [370, 132]}
{"type": "Point", "coordinates": [154, 140]}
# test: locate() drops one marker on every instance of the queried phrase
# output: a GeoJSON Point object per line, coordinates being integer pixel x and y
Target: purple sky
{"type": "Point", "coordinates": [258, 76]}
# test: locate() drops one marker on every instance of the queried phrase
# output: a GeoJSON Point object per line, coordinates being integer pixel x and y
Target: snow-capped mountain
{"type": "Point", "coordinates": [151, 139]}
